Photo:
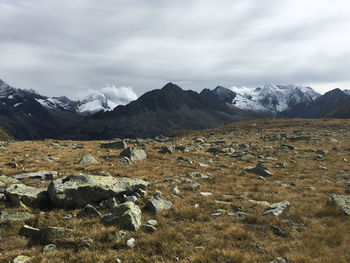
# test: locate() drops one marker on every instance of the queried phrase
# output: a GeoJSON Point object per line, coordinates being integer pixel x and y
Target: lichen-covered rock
{"type": "Point", "coordinates": [62, 237]}
{"type": "Point", "coordinates": [50, 249]}
{"type": "Point", "coordinates": [6, 180]}
{"type": "Point", "coordinates": [342, 201]}
{"type": "Point", "coordinates": [21, 259]}
{"type": "Point", "coordinates": [277, 209]}
{"type": "Point", "coordinates": [87, 159]}
{"type": "Point", "coordinates": [41, 175]}
{"type": "Point", "coordinates": [80, 190]}
{"type": "Point", "coordinates": [14, 216]}
{"type": "Point", "coordinates": [157, 204]}
{"type": "Point", "coordinates": [119, 145]}
{"type": "Point", "coordinates": [127, 216]}
{"type": "Point", "coordinates": [19, 194]}
{"type": "Point", "coordinates": [133, 154]}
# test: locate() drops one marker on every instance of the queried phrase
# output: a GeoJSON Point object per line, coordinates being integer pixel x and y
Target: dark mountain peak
{"type": "Point", "coordinates": [171, 86]}
{"type": "Point", "coordinates": [335, 92]}
{"type": "Point", "coordinates": [224, 94]}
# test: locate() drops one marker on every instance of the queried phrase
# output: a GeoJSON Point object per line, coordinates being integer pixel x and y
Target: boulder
{"type": "Point", "coordinates": [133, 154]}
{"type": "Point", "coordinates": [342, 201]}
{"type": "Point", "coordinates": [277, 209]}
{"type": "Point", "coordinates": [19, 194]}
{"type": "Point", "coordinates": [118, 145]}
{"type": "Point", "coordinates": [30, 232]}
{"type": "Point", "coordinates": [198, 175]}
{"type": "Point", "coordinates": [126, 216]}
{"type": "Point", "coordinates": [87, 159]}
{"type": "Point", "coordinates": [157, 204]}
{"type": "Point", "coordinates": [42, 175]}
{"type": "Point", "coordinates": [50, 249]}
{"type": "Point", "coordinates": [80, 190]}
{"type": "Point", "coordinates": [14, 216]}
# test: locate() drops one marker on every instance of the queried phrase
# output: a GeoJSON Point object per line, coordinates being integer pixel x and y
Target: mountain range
{"type": "Point", "coordinates": [28, 115]}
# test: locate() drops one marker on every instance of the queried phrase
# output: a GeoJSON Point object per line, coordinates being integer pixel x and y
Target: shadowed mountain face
{"type": "Point", "coordinates": [341, 110]}
{"type": "Point", "coordinates": [160, 112]}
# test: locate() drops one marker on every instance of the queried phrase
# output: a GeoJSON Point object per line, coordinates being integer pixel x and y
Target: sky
{"type": "Point", "coordinates": [68, 47]}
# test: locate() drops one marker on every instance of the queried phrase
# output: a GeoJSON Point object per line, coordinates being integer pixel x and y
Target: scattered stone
{"type": "Point", "coordinates": [261, 170]}
{"type": "Point", "coordinates": [20, 194]}
{"type": "Point", "coordinates": [281, 165]}
{"type": "Point", "coordinates": [319, 158]}
{"type": "Point", "coordinates": [126, 215]}
{"type": "Point", "coordinates": [88, 211]}
{"type": "Point", "coordinates": [152, 222]}
{"type": "Point", "coordinates": [198, 175]}
{"type": "Point", "coordinates": [277, 209]}
{"type": "Point", "coordinates": [181, 148]}
{"type": "Point", "coordinates": [278, 231]}
{"type": "Point", "coordinates": [183, 159]}
{"type": "Point", "coordinates": [14, 216]}
{"type": "Point", "coordinates": [133, 154]}
{"type": "Point", "coordinates": [87, 159]}
{"type": "Point", "coordinates": [237, 214]}
{"type": "Point", "coordinates": [167, 149]}
{"type": "Point", "coordinates": [30, 232]}
{"type": "Point", "coordinates": [263, 203]}
{"type": "Point", "coordinates": [118, 145]}
{"type": "Point", "coordinates": [118, 239]}
{"type": "Point", "coordinates": [50, 249]}
{"type": "Point", "coordinates": [21, 259]}
{"type": "Point", "coordinates": [131, 242]}
{"type": "Point", "coordinates": [42, 175]}
{"type": "Point", "coordinates": [190, 183]}
{"type": "Point", "coordinates": [157, 204]}
{"type": "Point", "coordinates": [175, 190]}
{"type": "Point", "coordinates": [342, 201]}
{"type": "Point", "coordinates": [130, 198]}
{"type": "Point", "coordinates": [332, 140]}
{"type": "Point", "coordinates": [205, 194]}
{"type": "Point", "coordinates": [279, 260]}
{"type": "Point", "coordinates": [80, 190]}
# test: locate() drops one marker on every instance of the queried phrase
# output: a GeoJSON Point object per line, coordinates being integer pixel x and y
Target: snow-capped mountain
{"type": "Point", "coordinates": [273, 98]}
{"type": "Point", "coordinates": [347, 91]}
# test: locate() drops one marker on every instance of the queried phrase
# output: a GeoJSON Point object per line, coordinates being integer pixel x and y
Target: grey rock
{"type": "Point", "coordinates": [281, 165]}
{"type": "Point", "coordinates": [87, 159]}
{"type": "Point", "coordinates": [30, 232]}
{"type": "Point", "coordinates": [152, 222]}
{"type": "Point", "coordinates": [190, 183]}
{"type": "Point", "coordinates": [237, 214]}
{"type": "Point", "coordinates": [198, 175]}
{"type": "Point", "coordinates": [131, 242]}
{"type": "Point", "coordinates": [167, 149]}
{"type": "Point", "coordinates": [157, 205]}
{"type": "Point", "coordinates": [80, 190]}
{"type": "Point", "coordinates": [279, 260]}
{"type": "Point", "coordinates": [19, 194]}
{"type": "Point", "coordinates": [6, 180]}
{"type": "Point", "coordinates": [119, 145]}
{"type": "Point", "coordinates": [342, 201]}
{"type": "Point", "coordinates": [127, 216]}
{"type": "Point", "coordinates": [50, 249]}
{"type": "Point", "coordinates": [261, 170]}
{"type": "Point", "coordinates": [278, 231]}
{"type": "Point", "coordinates": [21, 259]}
{"type": "Point", "coordinates": [41, 175]}
{"type": "Point", "coordinates": [133, 154]}
{"type": "Point", "coordinates": [130, 198]}
{"type": "Point", "coordinates": [14, 216]}
{"type": "Point", "coordinates": [277, 209]}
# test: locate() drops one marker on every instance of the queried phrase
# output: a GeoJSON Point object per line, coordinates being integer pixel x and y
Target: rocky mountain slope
{"type": "Point", "coordinates": [160, 111]}
{"type": "Point", "coordinates": [257, 191]}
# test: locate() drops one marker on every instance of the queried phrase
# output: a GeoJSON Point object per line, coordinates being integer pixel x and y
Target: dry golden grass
{"type": "Point", "coordinates": [321, 233]}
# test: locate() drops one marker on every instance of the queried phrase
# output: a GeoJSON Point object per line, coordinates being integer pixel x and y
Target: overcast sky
{"type": "Point", "coordinates": [66, 47]}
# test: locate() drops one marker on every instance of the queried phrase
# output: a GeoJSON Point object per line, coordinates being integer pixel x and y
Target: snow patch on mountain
{"type": "Point", "coordinates": [347, 91]}
{"type": "Point", "coordinates": [273, 98]}
{"type": "Point", "coordinates": [106, 99]}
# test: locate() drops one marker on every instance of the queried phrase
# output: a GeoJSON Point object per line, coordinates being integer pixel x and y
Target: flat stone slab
{"type": "Point", "coordinates": [14, 216]}
{"type": "Point", "coordinates": [80, 190]}
{"type": "Point", "coordinates": [19, 194]}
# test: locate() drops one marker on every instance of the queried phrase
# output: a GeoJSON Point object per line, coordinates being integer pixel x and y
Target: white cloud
{"type": "Point", "coordinates": [119, 94]}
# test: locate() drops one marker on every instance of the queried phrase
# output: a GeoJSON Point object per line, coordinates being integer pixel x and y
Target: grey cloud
{"type": "Point", "coordinates": [69, 47]}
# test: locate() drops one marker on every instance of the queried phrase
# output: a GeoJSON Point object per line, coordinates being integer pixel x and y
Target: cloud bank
{"type": "Point", "coordinates": [67, 47]}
